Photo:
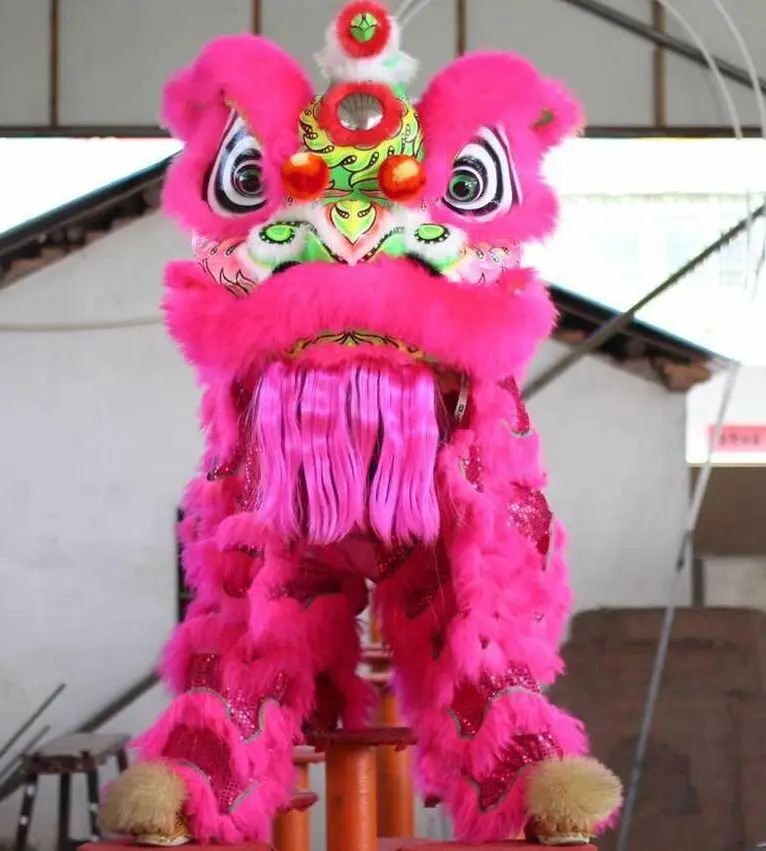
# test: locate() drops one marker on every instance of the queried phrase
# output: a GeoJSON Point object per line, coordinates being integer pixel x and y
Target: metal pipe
{"type": "Point", "coordinates": [685, 552]}
{"type": "Point", "coordinates": [672, 43]}
{"type": "Point", "coordinates": [31, 720]}
{"type": "Point", "coordinates": [33, 741]}
{"type": "Point", "coordinates": [119, 704]}
{"type": "Point", "coordinates": [12, 782]}
{"type": "Point", "coordinates": [615, 325]}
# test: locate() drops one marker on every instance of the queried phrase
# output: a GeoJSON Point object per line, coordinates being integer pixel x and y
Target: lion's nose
{"type": "Point", "coordinates": [401, 178]}
{"type": "Point", "coordinates": [305, 176]}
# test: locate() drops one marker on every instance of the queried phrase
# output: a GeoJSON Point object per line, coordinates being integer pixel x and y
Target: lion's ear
{"type": "Point", "coordinates": [560, 117]}
{"type": "Point", "coordinates": [250, 72]}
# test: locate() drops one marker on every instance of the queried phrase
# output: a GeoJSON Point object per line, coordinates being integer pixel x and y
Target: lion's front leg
{"type": "Point", "coordinates": [474, 625]}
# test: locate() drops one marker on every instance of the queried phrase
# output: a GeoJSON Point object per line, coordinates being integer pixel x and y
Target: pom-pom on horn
{"type": "Point", "coordinates": [363, 45]}
{"type": "Point", "coordinates": [364, 30]}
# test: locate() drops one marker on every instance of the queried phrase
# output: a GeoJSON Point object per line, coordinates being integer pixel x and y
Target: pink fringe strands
{"type": "Point", "coordinates": [346, 449]}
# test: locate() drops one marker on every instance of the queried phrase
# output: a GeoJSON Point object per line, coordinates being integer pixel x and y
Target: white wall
{"type": "Point", "coordinates": [99, 435]}
{"type": "Point", "coordinates": [614, 447]}
{"type": "Point", "coordinates": [738, 581]}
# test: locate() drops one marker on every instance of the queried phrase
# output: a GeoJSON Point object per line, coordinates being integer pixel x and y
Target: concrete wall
{"type": "Point", "coordinates": [99, 435]}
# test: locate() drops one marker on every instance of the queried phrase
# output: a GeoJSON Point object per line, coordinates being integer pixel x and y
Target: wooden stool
{"type": "Point", "coordinates": [396, 793]}
{"type": "Point", "coordinates": [351, 808]}
{"type": "Point", "coordinates": [292, 830]}
{"type": "Point", "coordinates": [82, 753]}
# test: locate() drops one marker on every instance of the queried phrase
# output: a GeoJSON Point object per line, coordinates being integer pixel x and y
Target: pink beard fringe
{"type": "Point", "coordinates": [346, 450]}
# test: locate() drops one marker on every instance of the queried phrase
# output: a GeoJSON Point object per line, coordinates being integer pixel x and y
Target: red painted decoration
{"type": "Point", "coordinates": [392, 111]}
{"type": "Point", "coordinates": [401, 178]}
{"type": "Point", "coordinates": [305, 176]}
{"type": "Point", "coordinates": [381, 34]}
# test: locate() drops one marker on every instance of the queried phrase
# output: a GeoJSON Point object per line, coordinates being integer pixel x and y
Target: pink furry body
{"type": "Point", "coordinates": [407, 460]}
{"type": "Point", "coordinates": [365, 470]}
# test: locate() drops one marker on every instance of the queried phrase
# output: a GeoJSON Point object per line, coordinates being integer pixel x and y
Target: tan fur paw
{"type": "Point", "coordinates": [146, 802]}
{"type": "Point", "coordinates": [568, 798]}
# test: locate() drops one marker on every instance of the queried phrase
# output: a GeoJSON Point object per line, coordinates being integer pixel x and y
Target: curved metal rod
{"type": "Point", "coordinates": [618, 323]}
{"type": "Point", "coordinates": [31, 720]}
{"type": "Point", "coordinates": [700, 488]}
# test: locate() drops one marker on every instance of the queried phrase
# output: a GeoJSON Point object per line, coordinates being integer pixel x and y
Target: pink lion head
{"type": "Point", "coordinates": [357, 217]}
{"type": "Point", "coordinates": [357, 254]}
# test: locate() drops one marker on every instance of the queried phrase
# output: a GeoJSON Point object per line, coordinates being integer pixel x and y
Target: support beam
{"type": "Point", "coordinates": [660, 67]}
{"type": "Point", "coordinates": [53, 62]}
{"type": "Point", "coordinates": [618, 323]}
{"type": "Point", "coordinates": [675, 45]}
{"type": "Point", "coordinates": [461, 26]}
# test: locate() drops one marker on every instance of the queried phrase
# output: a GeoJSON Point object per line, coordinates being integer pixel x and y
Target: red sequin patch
{"type": "Point", "coordinates": [223, 469]}
{"type": "Point", "coordinates": [203, 750]}
{"type": "Point", "coordinates": [312, 582]}
{"type": "Point", "coordinates": [530, 513]}
{"type": "Point", "coordinates": [521, 426]}
{"type": "Point", "coordinates": [203, 672]}
{"type": "Point", "coordinates": [391, 560]}
{"type": "Point", "coordinates": [472, 701]}
{"type": "Point", "coordinates": [524, 750]}
{"type": "Point", "coordinates": [473, 469]}
{"type": "Point", "coordinates": [250, 479]}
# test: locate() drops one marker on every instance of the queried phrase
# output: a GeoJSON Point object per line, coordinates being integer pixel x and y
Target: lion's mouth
{"type": "Point", "coordinates": [358, 339]}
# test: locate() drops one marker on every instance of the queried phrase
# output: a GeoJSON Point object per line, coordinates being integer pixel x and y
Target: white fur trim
{"type": "Point", "coordinates": [337, 67]}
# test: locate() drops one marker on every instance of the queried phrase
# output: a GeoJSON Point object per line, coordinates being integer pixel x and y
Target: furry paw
{"type": "Point", "coordinates": [145, 802]}
{"type": "Point", "coordinates": [568, 799]}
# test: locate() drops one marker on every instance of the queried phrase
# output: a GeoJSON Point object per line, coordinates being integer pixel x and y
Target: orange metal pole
{"type": "Point", "coordinates": [351, 797]}
{"type": "Point", "coordinates": [396, 795]}
{"type": "Point", "coordinates": [292, 829]}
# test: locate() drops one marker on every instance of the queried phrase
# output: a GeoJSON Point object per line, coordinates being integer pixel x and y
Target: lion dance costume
{"type": "Point", "coordinates": [359, 318]}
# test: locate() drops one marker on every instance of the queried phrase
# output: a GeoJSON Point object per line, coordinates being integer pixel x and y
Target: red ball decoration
{"type": "Point", "coordinates": [305, 176]}
{"type": "Point", "coordinates": [401, 178]}
{"type": "Point", "coordinates": [364, 29]}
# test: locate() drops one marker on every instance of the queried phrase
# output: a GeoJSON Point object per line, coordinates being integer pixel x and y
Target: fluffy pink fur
{"type": "Point", "coordinates": [275, 612]}
{"type": "Point", "coordinates": [467, 327]}
{"type": "Point", "coordinates": [464, 98]}
{"type": "Point", "coordinates": [512, 603]}
{"type": "Point", "coordinates": [269, 90]}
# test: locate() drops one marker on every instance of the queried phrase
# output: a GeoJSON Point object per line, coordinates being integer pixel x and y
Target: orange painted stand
{"type": "Point", "coordinates": [291, 828]}
{"type": "Point", "coordinates": [351, 809]}
{"type": "Point", "coordinates": [431, 845]}
{"type": "Point", "coordinates": [118, 845]}
{"type": "Point", "coordinates": [396, 793]}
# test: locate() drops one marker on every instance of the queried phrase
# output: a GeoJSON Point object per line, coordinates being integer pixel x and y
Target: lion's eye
{"type": "Point", "coordinates": [484, 180]}
{"type": "Point", "coordinates": [235, 185]}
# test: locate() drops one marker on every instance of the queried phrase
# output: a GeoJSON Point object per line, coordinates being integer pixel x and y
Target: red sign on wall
{"type": "Point", "coordinates": [739, 438]}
